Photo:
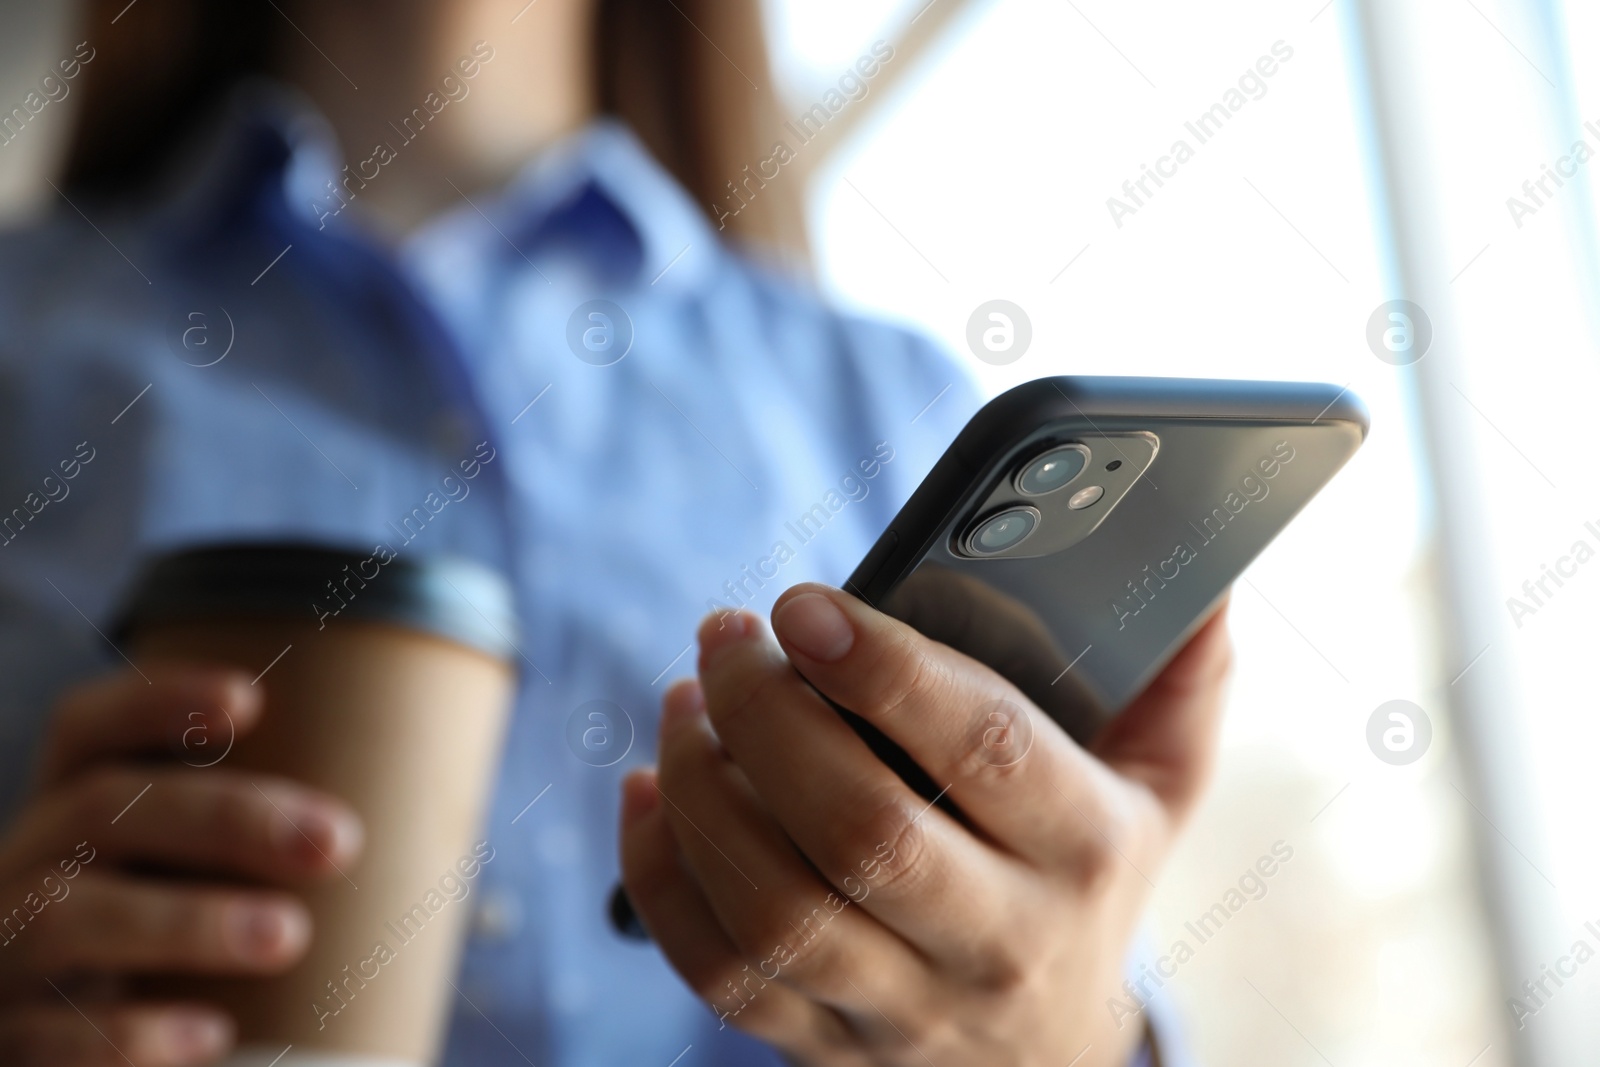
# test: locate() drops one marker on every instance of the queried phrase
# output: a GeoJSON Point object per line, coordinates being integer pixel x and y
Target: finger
{"type": "Point", "coordinates": [189, 710]}
{"type": "Point", "coordinates": [113, 923]}
{"type": "Point", "coordinates": [1017, 775]}
{"type": "Point", "coordinates": [932, 882]}
{"type": "Point", "coordinates": [201, 821]}
{"type": "Point", "coordinates": [684, 927]}
{"type": "Point", "coordinates": [178, 1035]}
{"type": "Point", "coordinates": [965, 612]}
{"type": "Point", "coordinates": [1167, 738]}
{"type": "Point", "coordinates": [785, 921]}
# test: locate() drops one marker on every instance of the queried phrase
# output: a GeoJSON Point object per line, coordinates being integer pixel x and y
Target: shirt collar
{"type": "Point", "coordinates": [598, 187]}
{"type": "Point", "coordinates": [605, 164]}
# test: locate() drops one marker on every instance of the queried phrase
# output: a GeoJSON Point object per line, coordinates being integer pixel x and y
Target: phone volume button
{"type": "Point", "coordinates": [876, 557]}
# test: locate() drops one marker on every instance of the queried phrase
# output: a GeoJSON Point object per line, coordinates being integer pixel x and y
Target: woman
{"type": "Point", "coordinates": [308, 256]}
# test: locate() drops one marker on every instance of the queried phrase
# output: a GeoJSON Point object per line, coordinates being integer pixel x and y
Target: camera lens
{"type": "Point", "coordinates": [1002, 531]}
{"type": "Point", "coordinates": [1052, 470]}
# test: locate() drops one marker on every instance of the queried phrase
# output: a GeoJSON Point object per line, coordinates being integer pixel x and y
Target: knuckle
{"type": "Point", "coordinates": [715, 983]}
{"type": "Point", "coordinates": [754, 687]}
{"type": "Point", "coordinates": [907, 678]}
{"type": "Point", "coordinates": [926, 1030]}
{"type": "Point", "coordinates": [995, 748]}
{"type": "Point", "coordinates": [893, 843]}
{"type": "Point", "coordinates": [798, 945]}
{"type": "Point", "coordinates": [1101, 858]}
{"type": "Point", "coordinates": [735, 995]}
{"type": "Point", "coordinates": [1009, 963]}
{"type": "Point", "coordinates": [706, 982]}
{"type": "Point", "coordinates": [828, 1037]}
{"type": "Point", "coordinates": [1015, 953]}
{"type": "Point", "coordinates": [930, 1034]}
{"type": "Point", "coordinates": [755, 936]}
{"type": "Point", "coordinates": [1096, 869]}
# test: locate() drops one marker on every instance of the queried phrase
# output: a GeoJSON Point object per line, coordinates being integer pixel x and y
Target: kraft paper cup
{"type": "Point", "coordinates": [387, 683]}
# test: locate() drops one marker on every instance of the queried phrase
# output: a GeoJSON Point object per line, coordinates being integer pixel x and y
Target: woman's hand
{"type": "Point", "coordinates": [815, 901]}
{"type": "Point", "coordinates": [81, 904]}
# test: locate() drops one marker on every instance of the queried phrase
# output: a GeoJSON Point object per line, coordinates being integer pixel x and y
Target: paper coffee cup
{"type": "Point", "coordinates": [262, 1057]}
{"type": "Point", "coordinates": [388, 684]}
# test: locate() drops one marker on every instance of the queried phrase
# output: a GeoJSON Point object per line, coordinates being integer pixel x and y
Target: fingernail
{"type": "Point", "coordinates": [266, 932]}
{"type": "Point", "coordinates": [721, 630]}
{"type": "Point", "coordinates": [639, 797]}
{"type": "Point", "coordinates": [685, 700]}
{"type": "Point", "coordinates": [198, 1034]}
{"type": "Point", "coordinates": [244, 697]}
{"type": "Point", "coordinates": [221, 692]}
{"type": "Point", "coordinates": [319, 836]}
{"type": "Point", "coordinates": [814, 626]}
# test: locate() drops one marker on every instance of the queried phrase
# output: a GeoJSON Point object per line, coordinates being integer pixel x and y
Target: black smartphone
{"type": "Point", "coordinates": [1080, 529]}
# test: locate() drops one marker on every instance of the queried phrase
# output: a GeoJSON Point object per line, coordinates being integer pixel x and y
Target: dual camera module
{"type": "Point", "coordinates": [1066, 474]}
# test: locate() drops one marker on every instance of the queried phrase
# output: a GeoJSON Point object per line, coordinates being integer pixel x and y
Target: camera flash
{"type": "Point", "coordinates": [1085, 497]}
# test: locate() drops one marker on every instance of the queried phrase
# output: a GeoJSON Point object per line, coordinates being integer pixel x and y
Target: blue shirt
{"type": "Point", "coordinates": [624, 500]}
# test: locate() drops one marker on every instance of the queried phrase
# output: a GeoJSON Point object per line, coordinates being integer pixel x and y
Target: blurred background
{"type": "Point", "coordinates": [1431, 151]}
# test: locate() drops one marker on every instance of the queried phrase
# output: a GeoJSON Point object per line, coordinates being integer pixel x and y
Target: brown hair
{"type": "Point", "coordinates": [704, 109]}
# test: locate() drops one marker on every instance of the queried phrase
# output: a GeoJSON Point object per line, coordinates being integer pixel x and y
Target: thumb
{"type": "Point", "coordinates": [1167, 738]}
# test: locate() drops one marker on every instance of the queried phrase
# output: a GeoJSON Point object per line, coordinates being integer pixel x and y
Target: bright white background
{"type": "Point", "coordinates": [1264, 257]}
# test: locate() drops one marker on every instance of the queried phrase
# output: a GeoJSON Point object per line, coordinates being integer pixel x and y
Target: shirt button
{"type": "Point", "coordinates": [498, 916]}
{"type": "Point", "coordinates": [559, 845]}
{"type": "Point", "coordinates": [570, 993]}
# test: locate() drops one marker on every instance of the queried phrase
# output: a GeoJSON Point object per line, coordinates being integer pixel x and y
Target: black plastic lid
{"type": "Point", "coordinates": [448, 597]}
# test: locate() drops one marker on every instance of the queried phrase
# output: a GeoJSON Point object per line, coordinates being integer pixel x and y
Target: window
{"type": "Point", "coordinates": [997, 169]}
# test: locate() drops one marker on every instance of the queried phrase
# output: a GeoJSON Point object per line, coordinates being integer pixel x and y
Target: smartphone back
{"type": "Point", "coordinates": [1187, 481]}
